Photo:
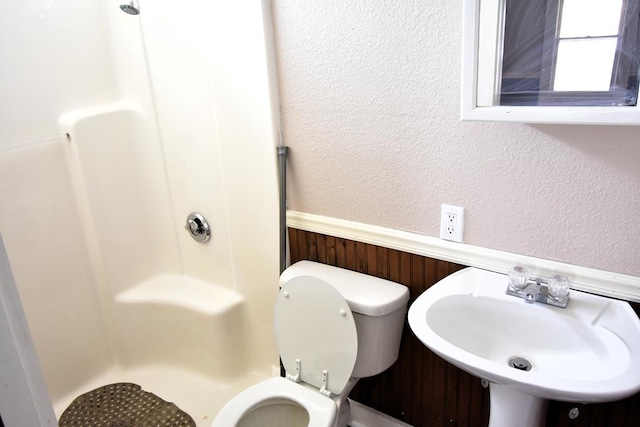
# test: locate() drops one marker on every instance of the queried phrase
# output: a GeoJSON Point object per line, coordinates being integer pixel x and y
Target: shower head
{"type": "Point", "coordinates": [131, 7]}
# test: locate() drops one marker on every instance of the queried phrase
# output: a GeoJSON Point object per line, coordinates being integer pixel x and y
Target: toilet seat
{"type": "Point", "coordinates": [322, 410]}
{"type": "Point", "coordinates": [316, 334]}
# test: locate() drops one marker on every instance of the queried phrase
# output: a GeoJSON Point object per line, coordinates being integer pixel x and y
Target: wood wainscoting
{"type": "Point", "coordinates": [422, 389]}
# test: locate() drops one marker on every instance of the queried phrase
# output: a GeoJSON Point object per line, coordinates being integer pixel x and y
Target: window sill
{"type": "Point", "coordinates": [622, 116]}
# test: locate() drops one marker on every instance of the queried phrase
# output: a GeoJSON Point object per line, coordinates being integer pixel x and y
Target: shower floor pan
{"type": "Point", "coordinates": [198, 396]}
{"type": "Point", "coordinates": [181, 339]}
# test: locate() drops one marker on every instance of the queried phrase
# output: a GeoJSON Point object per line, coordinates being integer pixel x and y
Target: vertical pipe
{"type": "Point", "coordinates": [282, 175]}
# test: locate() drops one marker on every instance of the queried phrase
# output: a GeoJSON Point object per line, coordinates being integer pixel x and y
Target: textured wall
{"type": "Point", "coordinates": [370, 95]}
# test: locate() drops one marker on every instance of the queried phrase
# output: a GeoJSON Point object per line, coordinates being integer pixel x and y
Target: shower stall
{"type": "Point", "coordinates": [115, 127]}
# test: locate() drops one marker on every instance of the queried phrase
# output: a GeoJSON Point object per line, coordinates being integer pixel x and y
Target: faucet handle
{"type": "Point", "coordinates": [518, 278]}
{"type": "Point", "coordinates": [559, 287]}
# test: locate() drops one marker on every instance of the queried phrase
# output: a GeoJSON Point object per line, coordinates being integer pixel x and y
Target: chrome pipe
{"type": "Point", "coordinates": [282, 177]}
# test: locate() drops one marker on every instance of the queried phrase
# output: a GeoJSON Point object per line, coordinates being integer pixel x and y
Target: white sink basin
{"type": "Point", "coordinates": [587, 352]}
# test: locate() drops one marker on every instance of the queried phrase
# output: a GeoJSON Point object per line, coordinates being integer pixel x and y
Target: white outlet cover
{"type": "Point", "coordinates": [452, 223]}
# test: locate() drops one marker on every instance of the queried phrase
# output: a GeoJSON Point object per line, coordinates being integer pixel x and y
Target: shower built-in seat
{"type": "Point", "coordinates": [183, 321]}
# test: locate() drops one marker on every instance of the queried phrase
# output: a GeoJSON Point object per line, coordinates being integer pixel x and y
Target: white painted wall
{"type": "Point", "coordinates": [370, 104]}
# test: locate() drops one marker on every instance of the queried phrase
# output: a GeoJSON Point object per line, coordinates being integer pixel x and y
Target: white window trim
{"type": "Point", "coordinates": [472, 79]}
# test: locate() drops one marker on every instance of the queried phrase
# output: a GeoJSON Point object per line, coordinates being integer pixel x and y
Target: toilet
{"type": "Point", "coordinates": [332, 326]}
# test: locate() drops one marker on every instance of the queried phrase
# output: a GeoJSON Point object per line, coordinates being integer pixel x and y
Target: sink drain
{"type": "Point", "coordinates": [520, 363]}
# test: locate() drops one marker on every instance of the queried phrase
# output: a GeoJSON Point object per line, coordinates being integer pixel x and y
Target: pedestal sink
{"type": "Point", "coordinates": [588, 352]}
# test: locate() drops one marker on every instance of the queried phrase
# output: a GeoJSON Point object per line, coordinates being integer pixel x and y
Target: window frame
{"type": "Point", "coordinates": [481, 72]}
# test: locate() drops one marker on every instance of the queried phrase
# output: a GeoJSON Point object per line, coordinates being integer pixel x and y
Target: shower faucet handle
{"type": "Point", "coordinates": [194, 227]}
{"type": "Point", "coordinates": [198, 227]}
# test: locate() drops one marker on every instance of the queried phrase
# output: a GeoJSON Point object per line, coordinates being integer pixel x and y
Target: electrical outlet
{"type": "Point", "coordinates": [452, 223]}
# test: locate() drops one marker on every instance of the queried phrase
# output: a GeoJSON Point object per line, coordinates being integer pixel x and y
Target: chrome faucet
{"type": "Point", "coordinates": [552, 291]}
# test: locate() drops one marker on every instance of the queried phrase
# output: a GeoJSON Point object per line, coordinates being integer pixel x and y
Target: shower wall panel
{"type": "Point", "coordinates": [55, 58]}
{"type": "Point", "coordinates": [181, 49]}
{"type": "Point", "coordinates": [121, 178]}
{"type": "Point", "coordinates": [47, 251]}
{"type": "Point", "coordinates": [210, 66]}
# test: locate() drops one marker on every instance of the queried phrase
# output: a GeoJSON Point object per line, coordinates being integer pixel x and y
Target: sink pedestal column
{"type": "Point", "coordinates": [512, 408]}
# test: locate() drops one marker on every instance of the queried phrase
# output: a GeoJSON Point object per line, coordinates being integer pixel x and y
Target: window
{"type": "Point", "coordinates": [578, 52]}
{"type": "Point", "coordinates": [581, 56]}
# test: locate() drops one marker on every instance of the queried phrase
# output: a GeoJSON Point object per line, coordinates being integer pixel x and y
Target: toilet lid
{"type": "Point", "coordinates": [313, 324]}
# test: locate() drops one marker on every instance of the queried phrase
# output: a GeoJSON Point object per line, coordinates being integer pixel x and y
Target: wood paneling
{"type": "Point", "coordinates": [421, 388]}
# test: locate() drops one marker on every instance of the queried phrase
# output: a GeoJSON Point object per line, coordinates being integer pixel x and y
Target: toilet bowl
{"type": "Point", "coordinates": [280, 401]}
{"type": "Point", "coordinates": [332, 327]}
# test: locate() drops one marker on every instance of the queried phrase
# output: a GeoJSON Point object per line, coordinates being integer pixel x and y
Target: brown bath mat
{"type": "Point", "coordinates": [123, 405]}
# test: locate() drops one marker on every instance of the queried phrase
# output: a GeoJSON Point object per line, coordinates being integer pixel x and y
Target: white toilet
{"type": "Point", "coordinates": [332, 326]}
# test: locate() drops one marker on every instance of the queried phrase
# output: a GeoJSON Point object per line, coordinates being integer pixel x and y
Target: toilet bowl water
{"type": "Point", "coordinates": [281, 414]}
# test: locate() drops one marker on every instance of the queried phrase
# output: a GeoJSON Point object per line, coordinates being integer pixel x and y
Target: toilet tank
{"type": "Point", "coordinates": [379, 308]}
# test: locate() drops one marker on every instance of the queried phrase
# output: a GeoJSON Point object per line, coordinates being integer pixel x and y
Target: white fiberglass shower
{"type": "Point", "coordinates": [114, 128]}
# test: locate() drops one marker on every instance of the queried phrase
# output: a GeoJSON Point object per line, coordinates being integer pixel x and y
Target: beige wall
{"type": "Point", "coordinates": [370, 95]}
